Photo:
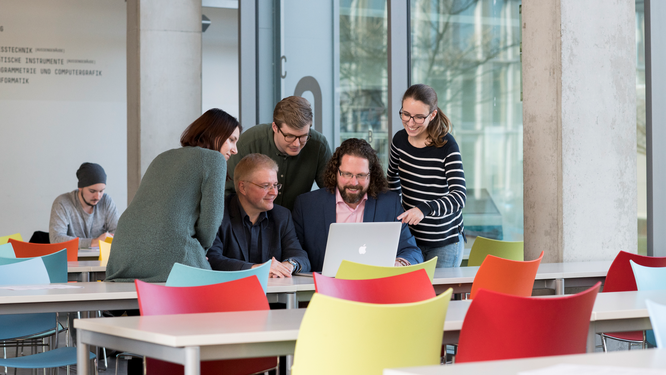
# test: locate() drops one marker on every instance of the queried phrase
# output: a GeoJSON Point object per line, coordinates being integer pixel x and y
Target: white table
{"type": "Point", "coordinates": [89, 253]}
{"type": "Point", "coordinates": [637, 359]}
{"type": "Point", "coordinates": [82, 269]}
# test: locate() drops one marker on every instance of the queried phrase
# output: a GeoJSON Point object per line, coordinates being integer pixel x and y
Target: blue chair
{"type": "Point", "coordinates": [182, 275]}
{"type": "Point", "coordinates": [7, 251]}
{"type": "Point", "coordinates": [649, 278]}
{"type": "Point", "coordinates": [658, 320]}
{"type": "Point", "coordinates": [31, 272]}
{"type": "Point", "coordinates": [56, 265]}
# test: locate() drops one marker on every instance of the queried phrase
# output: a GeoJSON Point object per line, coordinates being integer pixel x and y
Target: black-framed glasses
{"type": "Point", "coordinates": [267, 186]}
{"type": "Point", "coordinates": [359, 177]}
{"type": "Point", "coordinates": [418, 119]}
{"type": "Point", "coordinates": [291, 138]}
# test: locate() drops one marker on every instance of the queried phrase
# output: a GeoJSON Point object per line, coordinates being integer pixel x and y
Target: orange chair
{"type": "Point", "coordinates": [620, 278]}
{"type": "Point", "coordinates": [501, 326]}
{"type": "Point", "coordinates": [31, 250]}
{"type": "Point", "coordinates": [406, 288]}
{"type": "Point", "coordinates": [506, 276]}
{"type": "Point", "coordinates": [239, 295]}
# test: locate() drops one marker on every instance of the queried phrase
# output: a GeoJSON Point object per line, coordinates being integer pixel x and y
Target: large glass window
{"type": "Point", "coordinates": [469, 52]}
{"type": "Point", "coordinates": [640, 128]}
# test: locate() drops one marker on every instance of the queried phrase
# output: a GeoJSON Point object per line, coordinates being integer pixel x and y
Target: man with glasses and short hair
{"type": "Point", "coordinates": [355, 191]}
{"type": "Point", "coordinates": [300, 152]}
{"type": "Point", "coordinates": [254, 230]}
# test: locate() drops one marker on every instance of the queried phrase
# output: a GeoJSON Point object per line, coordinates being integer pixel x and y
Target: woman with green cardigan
{"type": "Point", "coordinates": [179, 206]}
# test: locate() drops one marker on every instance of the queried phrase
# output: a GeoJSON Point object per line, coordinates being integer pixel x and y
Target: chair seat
{"type": "Point", "coordinates": [626, 336]}
{"type": "Point", "coordinates": [53, 358]}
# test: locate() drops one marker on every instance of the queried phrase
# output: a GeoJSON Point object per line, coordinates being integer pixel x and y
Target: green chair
{"type": "Point", "coordinates": [347, 337]}
{"type": "Point", "coordinates": [182, 275]}
{"type": "Point", "coordinates": [357, 271]}
{"type": "Point", "coordinates": [512, 250]}
{"type": "Point", "coordinates": [7, 251]}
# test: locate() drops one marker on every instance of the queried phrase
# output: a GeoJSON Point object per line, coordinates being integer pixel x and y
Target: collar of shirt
{"type": "Point", "coordinates": [246, 218]}
{"type": "Point", "coordinates": [346, 214]}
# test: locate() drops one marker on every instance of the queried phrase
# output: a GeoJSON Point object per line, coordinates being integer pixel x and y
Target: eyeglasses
{"type": "Point", "coordinates": [418, 119]}
{"type": "Point", "coordinates": [359, 177]}
{"type": "Point", "coordinates": [267, 187]}
{"type": "Point", "coordinates": [291, 138]}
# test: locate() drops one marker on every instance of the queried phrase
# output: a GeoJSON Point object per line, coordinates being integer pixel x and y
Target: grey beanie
{"type": "Point", "coordinates": [90, 174]}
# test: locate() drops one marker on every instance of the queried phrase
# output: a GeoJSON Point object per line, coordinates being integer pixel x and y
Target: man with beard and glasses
{"type": "Point", "coordinates": [86, 213]}
{"type": "Point", "coordinates": [356, 190]}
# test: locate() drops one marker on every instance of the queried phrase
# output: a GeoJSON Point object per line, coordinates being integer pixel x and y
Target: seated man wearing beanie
{"type": "Point", "coordinates": [86, 212]}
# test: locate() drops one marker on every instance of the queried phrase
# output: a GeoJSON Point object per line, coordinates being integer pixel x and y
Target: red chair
{"type": "Point", "coordinates": [31, 250]}
{"type": "Point", "coordinates": [501, 326]}
{"type": "Point", "coordinates": [620, 278]}
{"type": "Point", "coordinates": [239, 295]}
{"type": "Point", "coordinates": [506, 276]}
{"type": "Point", "coordinates": [406, 288]}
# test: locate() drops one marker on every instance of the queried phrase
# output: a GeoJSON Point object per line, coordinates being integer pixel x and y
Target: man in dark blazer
{"type": "Point", "coordinates": [356, 190]}
{"type": "Point", "coordinates": [254, 230]}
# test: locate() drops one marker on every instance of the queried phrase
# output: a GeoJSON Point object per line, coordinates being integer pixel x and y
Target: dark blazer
{"type": "Point", "coordinates": [315, 211]}
{"type": "Point", "coordinates": [230, 249]}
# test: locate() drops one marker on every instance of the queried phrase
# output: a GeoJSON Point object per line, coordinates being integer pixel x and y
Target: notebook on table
{"type": "Point", "coordinates": [374, 244]}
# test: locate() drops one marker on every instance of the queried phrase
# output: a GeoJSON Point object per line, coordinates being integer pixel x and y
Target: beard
{"type": "Point", "coordinates": [351, 198]}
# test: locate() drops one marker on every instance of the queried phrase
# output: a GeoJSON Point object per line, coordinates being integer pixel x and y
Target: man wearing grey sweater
{"type": "Point", "coordinates": [87, 213]}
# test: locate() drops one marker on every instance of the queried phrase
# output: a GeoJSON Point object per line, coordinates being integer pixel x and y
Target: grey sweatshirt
{"type": "Point", "coordinates": [69, 220]}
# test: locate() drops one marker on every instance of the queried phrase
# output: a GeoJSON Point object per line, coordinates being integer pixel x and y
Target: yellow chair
{"type": "Point", "coordinates": [346, 337]}
{"type": "Point", "coordinates": [104, 250]}
{"type": "Point", "coordinates": [5, 239]}
{"type": "Point", "coordinates": [357, 271]}
{"type": "Point", "coordinates": [512, 250]}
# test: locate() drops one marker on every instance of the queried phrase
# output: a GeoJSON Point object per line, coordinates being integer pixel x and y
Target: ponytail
{"type": "Point", "coordinates": [437, 129]}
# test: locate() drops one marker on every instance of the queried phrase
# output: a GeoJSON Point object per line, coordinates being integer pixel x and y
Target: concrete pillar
{"type": "Point", "coordinates": [163, 79]}
{"type": "Point", "coordinates": [579, 118]}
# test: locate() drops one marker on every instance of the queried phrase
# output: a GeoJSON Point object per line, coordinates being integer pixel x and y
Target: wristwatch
{"type": "Point", "coordinates": [293, 263]}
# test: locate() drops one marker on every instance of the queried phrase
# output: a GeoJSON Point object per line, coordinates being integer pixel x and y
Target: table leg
{"type": "Point", "coordinates": [85, 277]}
{"type": "Point", "coordinates": [192, 360]}
{"type": "Point", "coordinates": [290, 362]}
{"type": "Point", "coordinates": [82, 356]}
{"type": "Point", "coordinates": [559, 287]}
{"type": "Point", "coordinates": [292, 301]}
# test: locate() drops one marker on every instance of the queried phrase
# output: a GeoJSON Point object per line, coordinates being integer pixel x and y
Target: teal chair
{"type": "Point", "coordinates": [7, 251]}
{"type": "Point", "coordinates": [56, 265]}
{"type": "Point", "coordinates": [182, 275]}
{"type": "Point", "coordinates": [31, 272]}
{"type": "Point", "coordinates": [649, 278]}
{"type": "Point", "coordinates": [512, 250]}
{"type": "Point", "coordinates": [658, 320]}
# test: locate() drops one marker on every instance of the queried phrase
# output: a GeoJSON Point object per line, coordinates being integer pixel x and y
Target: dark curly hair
{"type": "Point", "coordinates": [360, 148]}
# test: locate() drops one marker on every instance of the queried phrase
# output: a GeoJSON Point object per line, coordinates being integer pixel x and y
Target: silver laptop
{"type": "Point", "coordinates": [374, 244]}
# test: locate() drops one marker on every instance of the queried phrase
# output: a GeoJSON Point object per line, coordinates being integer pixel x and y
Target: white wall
{"type": "Point", "coordinates": [53, 123]}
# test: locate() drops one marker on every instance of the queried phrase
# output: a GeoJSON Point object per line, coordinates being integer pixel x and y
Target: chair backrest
{"type": "Point", "coordinates": [27, 272]}
{"type": "Point", "coordinates": [658, 321]}
{"type": "Point", "coordinates": [649, 278]}
{"type": "Point", "coordinates": [506, 276]}
{"type": "Point", "coordinates": [243, 294]}
{"type": "Point", "coordinates": [406, 288]}
{"type": "Point", "coordinates": [620, 277]}
{"type": "Point", "coordinates": [482, 246]}
{"type": "Point", "coordinates": [31, 250]}
{"type": "Point", "coordinates": [7, 251]}
{"type": "Point", "coordinates": [182, 275]}
{"type": "Point", "coordinates": [104, 251]}
{"type": "Point", "coordinates": [56, 265]}
{"type": "Point", "coordinates": [347, 337]}
{"type": "Point", "coordinates": [5, 239]}
{"type": "Point", "coordinates": [501, 326]}
{"type": "Point", "coordinates": [357, 271]}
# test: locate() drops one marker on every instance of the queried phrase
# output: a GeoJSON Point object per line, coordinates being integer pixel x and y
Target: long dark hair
{"type": "Point", "coordinates": [210, 130]}
{"type": "Point", "coordinates": [440, 126]}
{"type": "Point", "coordinates": [362, 149]}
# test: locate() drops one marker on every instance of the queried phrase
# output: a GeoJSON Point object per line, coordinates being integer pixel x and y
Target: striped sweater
{"type": "Point", "coordinates": [433, 180]}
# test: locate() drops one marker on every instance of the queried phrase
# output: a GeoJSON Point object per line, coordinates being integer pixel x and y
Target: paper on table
{"type": "Point", "coordinates": [38, 287]}
{"type": "Point", "coordinates": [592, 370]}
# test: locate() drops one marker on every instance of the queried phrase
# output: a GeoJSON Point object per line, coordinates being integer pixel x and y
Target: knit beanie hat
{"type": "Point", "coordinates": [90, 174]}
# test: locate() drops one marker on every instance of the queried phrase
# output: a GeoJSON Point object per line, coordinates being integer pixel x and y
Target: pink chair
{"type": "Point", "coordinates": [501, 326]}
